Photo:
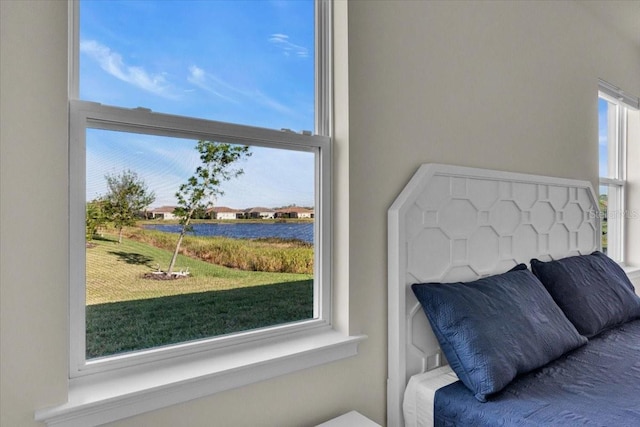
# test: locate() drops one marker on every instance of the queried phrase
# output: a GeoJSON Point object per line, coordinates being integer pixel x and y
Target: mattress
{"type": "Point", "coordinates": [419, 395]}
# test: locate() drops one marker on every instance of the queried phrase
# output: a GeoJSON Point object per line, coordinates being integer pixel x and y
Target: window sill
{"type": "Point", "coordinates": [634, 275]}
{"type": "Point", "coordinates": [631, 271]}
{"type": "Point", "coordinates": [99, 399]}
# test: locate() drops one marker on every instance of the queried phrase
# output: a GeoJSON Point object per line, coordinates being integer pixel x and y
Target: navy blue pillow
{"type": "Point", "coordinates": [496, 328]}
{"type": "Point", "coordinates": [592, 290]}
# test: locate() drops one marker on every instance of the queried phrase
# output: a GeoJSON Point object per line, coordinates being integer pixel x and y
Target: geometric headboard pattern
{"type": "Point", "coordinates": [454, 223]}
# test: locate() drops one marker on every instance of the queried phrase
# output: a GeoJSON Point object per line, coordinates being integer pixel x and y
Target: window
{"type": "Point", "coordinates": [184, 118]}
{"type": "Point", "coordinates": [613, 108]}
{"type": "Point", "coordinates": [232, 276]}
{"type": "Point", "coordinates": [192, 278]}
{"type": "Point", "coordinates": [133, 297]}
{"type": "Point", "coordinates": [612, 185]}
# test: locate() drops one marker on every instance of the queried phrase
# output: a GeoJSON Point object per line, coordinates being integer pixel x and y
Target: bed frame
{"type": "Point", "coordinates": [454, 223]}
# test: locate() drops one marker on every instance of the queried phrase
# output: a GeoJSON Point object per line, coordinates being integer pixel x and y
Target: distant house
{"type": "Point", "coordinates": [163, 212]}
{"type": "Point", "coordinates": [261, 213]}
{"type": "Point", "coordinates": [295, 212]}
{"type": "Point", "coordinates": [222, 212]}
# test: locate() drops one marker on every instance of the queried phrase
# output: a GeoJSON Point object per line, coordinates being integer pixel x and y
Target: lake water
{"type": "Point", "coordinates": [245, 230]}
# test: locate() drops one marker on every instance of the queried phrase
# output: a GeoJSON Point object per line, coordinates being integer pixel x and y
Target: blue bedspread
{"type": "Point", "coordinates": [595, 385]}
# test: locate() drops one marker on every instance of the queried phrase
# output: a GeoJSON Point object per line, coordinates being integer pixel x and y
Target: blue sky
{"type": "Point", "coordinates": [246, 62]}
{"type": "Point", "coordinates": [602, 136]}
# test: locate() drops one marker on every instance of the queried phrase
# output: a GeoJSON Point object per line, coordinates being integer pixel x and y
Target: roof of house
{"type": "Point", "coordinates": [164, 209]}
{"type": "Point", "coordinates": [220, 209]}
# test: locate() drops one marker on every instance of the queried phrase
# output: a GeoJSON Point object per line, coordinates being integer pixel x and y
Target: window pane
{"type": "Point", "coordinates": [603, 201]}
{"type": "Point", "coordinates": [246, 261]}
{"type": "Point", "coordinates": [607, 138]}
{"type": "Point", "coordinates": [612, 171]}
{"type": "Point", "coordinates": [611, 220]}
{"type": "Point", "coordinates": [245, 62]}
{"type": "Point", "coordinates": [603, 145]}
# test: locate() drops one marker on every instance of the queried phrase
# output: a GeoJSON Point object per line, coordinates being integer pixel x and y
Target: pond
{"type": "Point", "coordinates": [245, 230]}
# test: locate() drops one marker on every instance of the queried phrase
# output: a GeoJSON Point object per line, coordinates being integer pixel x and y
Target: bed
{"type": "Point", "coordinates": [502, 246]}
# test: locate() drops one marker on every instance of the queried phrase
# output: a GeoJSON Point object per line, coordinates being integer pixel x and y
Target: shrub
{"type": "Point", "coordinates": [270, 255]}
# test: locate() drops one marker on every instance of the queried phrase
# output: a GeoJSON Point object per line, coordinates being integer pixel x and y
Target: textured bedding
{"type": "Point", "coordinates": [595, 385]}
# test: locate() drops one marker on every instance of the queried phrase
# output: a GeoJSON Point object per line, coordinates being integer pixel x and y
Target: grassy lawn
{"type": "Point", "coordinates": [114, 273]}
{"type": "Point", "coordinates": [127, 312]}
{"type": "Point", "coordinates": [135, 325]}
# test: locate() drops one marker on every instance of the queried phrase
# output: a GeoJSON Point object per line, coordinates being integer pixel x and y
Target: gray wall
{"type": "Point", "coordinates": [507, 85]}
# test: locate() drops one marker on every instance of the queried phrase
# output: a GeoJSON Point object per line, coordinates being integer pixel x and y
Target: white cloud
{"type": "Point", "coordinates": [603, 140]}
{"type": "Point", "coordinates": [224, 90]}
{"type": "Point", "coordinates": [271, 103]}
{"type": "Point", "coordinates": [112, 63]}
{"type": "Point", "coordinates": [287, 47]}
{"type": "Point", "coordinates": [210, 83]}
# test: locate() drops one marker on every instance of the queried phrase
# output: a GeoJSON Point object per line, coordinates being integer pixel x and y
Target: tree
{"type": "Point", "coordinates": [96, 217]}
{"type": "Point", "coordinates": [201, 189]}
{"type": "Point", "coordinates": [126, 197]}
{"type": "Point", "coordinates": [603, 201]}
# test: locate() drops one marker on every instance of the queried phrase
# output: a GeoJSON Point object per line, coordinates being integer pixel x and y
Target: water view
{"type": "Point", "coordinates": [245, 230]}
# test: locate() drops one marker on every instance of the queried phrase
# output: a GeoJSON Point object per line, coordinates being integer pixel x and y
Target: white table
{"type": "Point", "coordinates": [350, 419]}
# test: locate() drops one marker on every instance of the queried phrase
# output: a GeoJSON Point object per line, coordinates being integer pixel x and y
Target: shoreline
{"type": "Point", "coordinates": [228, 221]}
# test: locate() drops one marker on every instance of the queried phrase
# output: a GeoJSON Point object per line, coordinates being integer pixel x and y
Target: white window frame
{"type": "Point", "coordinates": [107, 389]}
{"type": "Point", "coordinates": [616, 157]}
{"type": "Point", "coordinates": [87, 115]}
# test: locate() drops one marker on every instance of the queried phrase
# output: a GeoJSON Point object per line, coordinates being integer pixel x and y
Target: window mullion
{"type": "Point", "coordinates": [622, 176]}
{"type": "Point", "coordinates": [151, 123]}
{"type": "Point", "coordinates": [74, 49]}
{"type": "Point", "coordinates": [324, 67]}
{"type": "Point", "coordinates": [77, 241]}
{"type": "Point", "coordinates": [613, 138]}
{"type": "Point", "coordinates": [622, 142]}
{"type": "Point", "coordinates": [611, 181]}
{"type": "Point", "coordinates": [615, 220]}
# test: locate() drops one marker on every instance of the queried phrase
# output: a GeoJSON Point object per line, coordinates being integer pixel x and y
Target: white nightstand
{"type": "Point", "coordinates": [350, 419]}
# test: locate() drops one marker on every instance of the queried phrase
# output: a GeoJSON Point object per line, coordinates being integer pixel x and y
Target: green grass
{"type": "Point", "coordinates": [114, 273]}
{"type": "Point", "coordinates": [126, 312]}
{"type": "Point", "coordinates": [134, 325]}
{"type": "Point", "coordinates": [269, 255]}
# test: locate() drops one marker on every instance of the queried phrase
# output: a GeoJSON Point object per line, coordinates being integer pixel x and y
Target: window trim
{"type": "Point", "coordinates": [113, 394]}
{"type": "Point", "coordinates": [85, 115]}
{"type": "Point", "coordinates": [98, 399]}
{"type": "Point", "coordinates": [614, 92]}
{"type": "Point", "coordinates": [616, 181]}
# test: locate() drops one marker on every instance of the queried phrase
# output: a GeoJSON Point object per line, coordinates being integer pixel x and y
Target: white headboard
{"type": "Point", "coordinates": [453, 224]}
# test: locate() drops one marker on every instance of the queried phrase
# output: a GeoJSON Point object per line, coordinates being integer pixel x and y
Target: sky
{"type": "Point", "coordinates": [245, 62]}
{"type": "Point", "coordinates": [602, 136]}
